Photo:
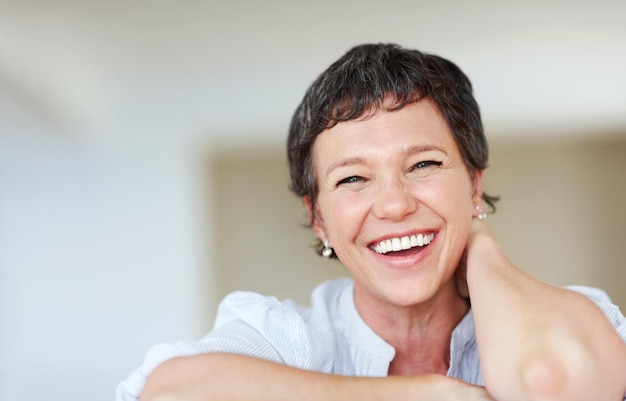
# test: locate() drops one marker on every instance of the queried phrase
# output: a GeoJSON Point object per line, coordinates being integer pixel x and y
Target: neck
{"type": "Point", "coordinates": [420, 333]}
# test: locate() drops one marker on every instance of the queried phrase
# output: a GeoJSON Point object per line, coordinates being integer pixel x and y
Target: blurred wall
{"type": "Point", "coordinates": [561, 215]}
{"type": "Point", "coordinates": [98, 261]}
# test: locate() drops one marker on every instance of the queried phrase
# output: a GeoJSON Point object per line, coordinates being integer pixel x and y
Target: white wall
{"type": "Point", "coordinates": [98, 248]}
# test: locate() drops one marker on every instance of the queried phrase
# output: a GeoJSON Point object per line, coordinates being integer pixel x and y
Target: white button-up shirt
{"type": "Point", "coordinates": [328, 337]}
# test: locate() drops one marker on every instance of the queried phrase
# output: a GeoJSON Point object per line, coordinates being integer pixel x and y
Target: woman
{"type": "Point", "coordinates": [387, 152]}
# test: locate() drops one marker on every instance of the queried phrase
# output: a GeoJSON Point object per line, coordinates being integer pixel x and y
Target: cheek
{"type": "Point", "coordinates": [451, 201]}
{"type": "Point", "coordinates": [343, 215]}
{"type": "Point", "coordinates": [450, 197]}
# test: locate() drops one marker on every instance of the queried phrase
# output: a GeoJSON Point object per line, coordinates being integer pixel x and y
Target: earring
{"type": "Point", "coordinates": [327, 251]}
{"type": "Point", "coordinates": [480, 213]}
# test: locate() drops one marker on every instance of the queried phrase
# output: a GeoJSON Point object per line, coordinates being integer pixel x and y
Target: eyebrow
{"type": "Point", "coordinates": [424, 148]}
{"type": "Point", "coordinates": [352, 161]}
{"type": "Point", "coordinates": [345, 163]}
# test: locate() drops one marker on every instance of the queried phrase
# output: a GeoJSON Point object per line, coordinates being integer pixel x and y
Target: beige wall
{"type": "Point", "coordinates": [561, 217]}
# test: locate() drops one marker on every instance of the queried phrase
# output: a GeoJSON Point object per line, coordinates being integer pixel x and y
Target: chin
{"type": "Point", "coordinates": [412, 296]}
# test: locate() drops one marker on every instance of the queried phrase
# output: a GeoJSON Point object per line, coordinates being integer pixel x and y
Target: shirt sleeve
{"type": "Point", "coordinates": [235, 337]}
{"type": "Point", "coordinates": [246, 324]}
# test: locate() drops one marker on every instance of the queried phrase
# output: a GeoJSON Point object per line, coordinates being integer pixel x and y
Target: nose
{"type": "Point", "coordinates": [394, 200]}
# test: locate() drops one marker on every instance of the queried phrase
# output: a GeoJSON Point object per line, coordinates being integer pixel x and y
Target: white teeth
{"type": "Point", "coordinates": [403, 243]}
{"type": "Point", "coordinates": [388, 245]}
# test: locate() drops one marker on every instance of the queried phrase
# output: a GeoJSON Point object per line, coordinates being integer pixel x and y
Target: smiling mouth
{"type": "Point", "coordinates": [402, 243]}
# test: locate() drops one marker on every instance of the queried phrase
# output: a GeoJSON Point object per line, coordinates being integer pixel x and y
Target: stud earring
{"type": "Point", "coordinates": [480, 213]}
{"type": "Point", "coordinates": [327, 251]}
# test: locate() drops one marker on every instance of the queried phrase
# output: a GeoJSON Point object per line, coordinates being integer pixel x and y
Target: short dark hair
{"type": "Point", "coordinates": [362, 82]}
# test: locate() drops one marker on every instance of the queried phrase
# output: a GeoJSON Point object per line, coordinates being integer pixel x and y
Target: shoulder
{"type": "Point", "coordinates": [602, 299]}
{"type": "Point", "coordinates": [301, 336]}
{"type": "Point", "coordinates": [595, 294]}
{"type": "Point", "coordinates": [258, 309]}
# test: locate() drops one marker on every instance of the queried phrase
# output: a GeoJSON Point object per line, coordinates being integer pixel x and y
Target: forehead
{"type": "Point", "coordinates": [416, 124]}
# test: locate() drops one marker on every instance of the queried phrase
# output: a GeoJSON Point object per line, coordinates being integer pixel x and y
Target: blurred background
{"type": "Point", "coordinates": [142, 171]}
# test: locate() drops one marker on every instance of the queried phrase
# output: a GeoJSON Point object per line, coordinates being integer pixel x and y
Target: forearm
{"type": "Point", "coordinates": [230, 377]}
{"type": "Point", "coordinates": [539, 342]}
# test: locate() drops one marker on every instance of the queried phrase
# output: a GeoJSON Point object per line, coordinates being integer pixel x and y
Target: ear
{"type": "Point", "coordinates": [477, 187]}
{"type": "Point", "coordinates": [316, 219]}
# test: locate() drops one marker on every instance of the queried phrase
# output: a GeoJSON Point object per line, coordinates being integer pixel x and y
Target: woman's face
{"type": "Point", "coordinates": [395, 202]}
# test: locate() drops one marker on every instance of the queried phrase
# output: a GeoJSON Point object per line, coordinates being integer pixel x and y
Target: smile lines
{"type": "Point", "coordinates": [402, 243]}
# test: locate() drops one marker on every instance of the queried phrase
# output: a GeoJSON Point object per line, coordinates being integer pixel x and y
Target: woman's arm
{"type": "Point", "coordinates": [536, 341]}
{"type": "Point", "coordinates": [232, 377]}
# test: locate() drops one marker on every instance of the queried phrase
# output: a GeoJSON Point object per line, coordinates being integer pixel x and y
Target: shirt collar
{"type": "Point", "coordinates": [373, 355]}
